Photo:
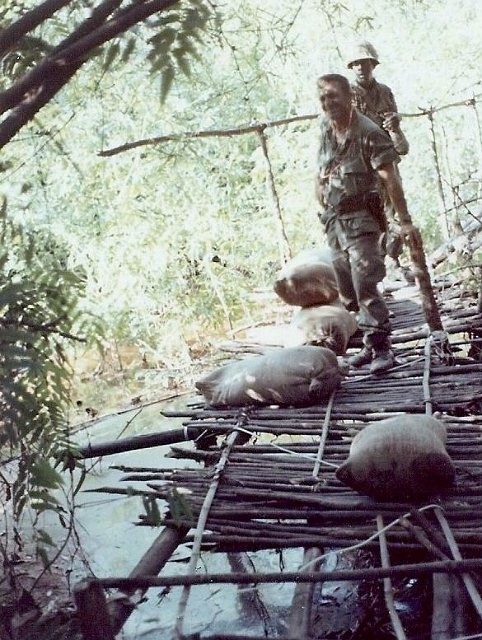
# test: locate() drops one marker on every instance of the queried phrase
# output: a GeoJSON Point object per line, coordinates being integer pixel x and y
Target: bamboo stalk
{"type": "Point", "coordinates": [253, 128]}
{"type": "Point", "coordinates": [150, 563]}
{"type": "Point", "coordinates": [283, 242]}
{"type": "Point", "coordinates": [92, 611]}
{"type": "Point", "coordinates": [466, 578]}
{"type": "Point", "coordinates": [140, 442]}
{"type": "Point", "coordinates": [324, 435]}
{"type": "Point", "coordinates": [243, 543]}
{"type": "Point", "coordinates": [299, 626]}
{"type": "Point", "coordinates": [445, 226]}
{"type": "Point", "coordinates": [328, 507]}
{"type": "Point", "coordinates": [387, 583]}
{"type": "Point", "coordinates": [372, 573]}
{"type": "Point", "coordinates": [426, 378]}
{"type": "Point", "coordinates": [201, 524]}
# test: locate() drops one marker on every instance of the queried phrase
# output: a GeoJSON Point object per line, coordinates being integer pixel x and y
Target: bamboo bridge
{"type": "Point", "coordinates": [264, 480]}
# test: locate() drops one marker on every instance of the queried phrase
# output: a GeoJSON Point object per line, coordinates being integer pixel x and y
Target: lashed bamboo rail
{"type": "Point", "coordinates": [375, 573]}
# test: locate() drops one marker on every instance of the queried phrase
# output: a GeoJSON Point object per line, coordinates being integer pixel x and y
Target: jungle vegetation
{"type": "Point", "coordinates": [148, 188]}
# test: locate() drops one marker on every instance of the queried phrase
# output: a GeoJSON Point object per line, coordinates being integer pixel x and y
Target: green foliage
{"type": "Point", "coordinates": [174, 42]}
{"type": "Point", "coordinates": [179, 507]}
{"type": "Point", "coordinates": [174, 238]}
{"type": "Point", "coordinates": [38, 314]}
{"type": "Point", "coordinates": [177, 37]}
{"type": "Point", "coordinates": [152, 517]}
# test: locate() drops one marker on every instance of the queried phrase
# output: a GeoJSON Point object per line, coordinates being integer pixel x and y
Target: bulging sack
{"type": "Point", "coordinates": [308, 279]}
{"type": "Point", "coordinates": [296, 376]}
{"type": "Point", "coordinates": [329, 326]}
{"type": "Point", "coordinates": [401, 458]}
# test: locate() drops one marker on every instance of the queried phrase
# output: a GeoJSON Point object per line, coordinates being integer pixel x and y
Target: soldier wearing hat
{"type": "Point", "coordinates": [354, 156]}
{"type": "Point", "coordinates": [376, 101]}
{"type": "Point", "coordinates": [372, 98]}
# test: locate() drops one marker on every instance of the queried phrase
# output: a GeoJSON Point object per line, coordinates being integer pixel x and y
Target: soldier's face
{"type": "Point", "coordinates": [363, 71]}
{"type": "Point", "coordinates": [335, 101]}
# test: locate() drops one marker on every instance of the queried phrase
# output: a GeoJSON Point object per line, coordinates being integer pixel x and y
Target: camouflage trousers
{"type": "Point", "coordinates": [358, 261]}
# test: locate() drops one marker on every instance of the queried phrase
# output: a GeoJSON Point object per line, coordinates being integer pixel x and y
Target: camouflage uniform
{"type": "Point", "coordinates": [347, 175]}
{"type": "Point", "coordinates": [374, 101]}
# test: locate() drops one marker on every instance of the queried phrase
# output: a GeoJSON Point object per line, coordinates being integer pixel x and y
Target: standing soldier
{"type": "Point", "coordinates": [376, 101]}
{"type": "Point", "coordinates": [354, 155]}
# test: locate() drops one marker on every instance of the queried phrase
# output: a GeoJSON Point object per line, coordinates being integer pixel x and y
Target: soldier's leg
{"type": "Point", "coordinates": [368, 269]}
{"type": "Point", "coordinates": [342, 267]}
{"type": "Point", "coordinates": [361, 237]}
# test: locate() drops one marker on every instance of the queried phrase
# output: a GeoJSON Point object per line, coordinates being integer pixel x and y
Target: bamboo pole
{"type": "Point", "coordinates": [371, 573]}
{"type": "Point", "coordinates": [466, 578]}
{"type": "Point", "coordinates": [426, 379]}
{"type": "Point", "coordinates": [445, 226]}
{"type": "Point", "coordinates": [299, 625]}
{"type": "Point", "coordinates": [448, 598]}
{"type": "Point", "coordinates": [201, 524]}
{"type": "Point", "coordinates": [283, 242]}
{"type": "Point", "coordinates": [387, 583]}
{"type": "Point", "coordinates": [252, 128]}
{"type": "Point", "coordinates": [150, 563]}
{"type": "Point", "coordinates": [92, 611]}
{"type": "Point", "coordinates": [144, 441]}
{"type": "Point", "coordinates": [301, 607]}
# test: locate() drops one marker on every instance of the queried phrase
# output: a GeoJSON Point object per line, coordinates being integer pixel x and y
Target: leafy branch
{"type": "Point", "coordinates": [38, 316]}
{"type": "Point", "coordinates": [170, 49]}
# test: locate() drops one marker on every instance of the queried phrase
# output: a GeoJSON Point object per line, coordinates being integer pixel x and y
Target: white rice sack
{"type": "Point", "coordinates": [308, 279]}
{"type": "Point", "coordinates": [400, 458]}
{"type": "Point", "coordinates": [293, 376]}
{"type": "Point", "coordinates": [329, 326]}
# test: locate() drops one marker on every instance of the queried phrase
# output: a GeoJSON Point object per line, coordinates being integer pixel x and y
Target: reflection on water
{"type": "Point", "coordinates": [114, 545]}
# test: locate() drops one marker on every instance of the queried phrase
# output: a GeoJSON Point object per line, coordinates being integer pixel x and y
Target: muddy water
{"type": "Point", "coordinates": [113, 545]}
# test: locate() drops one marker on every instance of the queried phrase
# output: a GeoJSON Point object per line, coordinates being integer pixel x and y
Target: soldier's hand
{"type": "Point", "coordinates": [391, 121]}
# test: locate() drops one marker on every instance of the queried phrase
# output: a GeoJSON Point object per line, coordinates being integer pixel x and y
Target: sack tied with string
{"type": "Point", "coordinates": [400, 458]}
{"type": "Point", "coordinates": [296, 376]}
{"type": "Point", "coordinates": [308, 279]}
{"type": "Point", "coordinates": [329, 326]}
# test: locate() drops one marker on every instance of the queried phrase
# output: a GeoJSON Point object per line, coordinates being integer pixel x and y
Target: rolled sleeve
{"type": "Point", "coordinates": [381, 149]}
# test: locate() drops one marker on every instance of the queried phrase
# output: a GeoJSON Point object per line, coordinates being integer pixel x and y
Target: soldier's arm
{"type": "Point", "coordinates": [391, 124]}
{"type": "Point", "coordinates": [394, 188]}
{"type": "Point", "coordinates": [397, 136]}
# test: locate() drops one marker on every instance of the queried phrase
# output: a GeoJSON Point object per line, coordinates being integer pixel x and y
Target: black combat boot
{"type": "Point", "coordinates": [364, 356]}
{"type": "Point", "coordinates": [383, 359]}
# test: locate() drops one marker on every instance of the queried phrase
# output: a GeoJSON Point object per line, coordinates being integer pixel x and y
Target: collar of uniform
{"type": "Point", "coordinates": [352, 129]}
{"type": "Point", "coordinates": [366, 89]}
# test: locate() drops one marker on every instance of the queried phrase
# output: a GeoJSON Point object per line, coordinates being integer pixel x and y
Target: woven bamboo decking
{"type": "Point", "coordinates": [267, 475]}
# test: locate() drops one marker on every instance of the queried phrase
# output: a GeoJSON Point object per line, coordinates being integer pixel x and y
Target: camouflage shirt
{"type": "Point", "coordinates": [374, 101]}
{"type": "Point", "coordinates": [349, 168]}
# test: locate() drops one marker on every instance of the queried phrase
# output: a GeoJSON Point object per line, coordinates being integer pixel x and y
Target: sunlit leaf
{"type": "Point", "coordinates": [166, 81]}
{"type": "Point", "coordinates": [111, 55]}
{"type": "Point", "coordinates": [45, 475]}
